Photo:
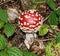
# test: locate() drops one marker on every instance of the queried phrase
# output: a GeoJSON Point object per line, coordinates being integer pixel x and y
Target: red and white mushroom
{"type": "Point", "coordinates": [29, 22]}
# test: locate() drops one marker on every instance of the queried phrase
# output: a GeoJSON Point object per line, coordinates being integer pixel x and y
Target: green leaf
{"type": "Point", "coordinates": [3, 53]}
{"type": "Point", "coordinates": [3, 42]}
{"type": "Point", "coordinates": [52, 19]}
{"type": "Point", "coordinates": [48, 49]}
{"type": "Point", "coordinates": [58, 46]}
{"type": "Point", "coordinates": [58, 38]}
{"type": "Point", "coordinates": [51, 4]}
{"type": "Point", "coordinates": [14, 51]}
{"type": "Point", "coordinates": [59, 19]}
{"type": "Point", "coordinates": [27, 53]}
{"type": "Point", "coordinates": [53, 26]}
{"type": "Point", "coordinates": [43, 30]}
{"type": "Point", "coordinates": [39, 0]}
{"type": "Point", "coordinates": [3, 15]}
{"type": "Point", "coordinates": [1, 24]}
{"type": "Point", "coordinates": [9, 29]}
{"type": "Point", "coordinates": [58, 12]}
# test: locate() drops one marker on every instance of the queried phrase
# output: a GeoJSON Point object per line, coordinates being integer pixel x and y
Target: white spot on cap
{"type": "Point", "coordinates": [24, 27]}
{"type": "Point", "coordinates": [18, 22]}
{"type": "Point", "coordinates": [22, 13]}
{"type": "Point", "coordinates": [28, 11]}
{"type": "Point", "coordinates": [30, 26]}
{"type": "Point", "coordinates": [25, 12]}
{"type": "Point", "coordinates": [40, 22]}
{"type": "Point", "coordinates": [33, 25]}
{"type": "Point", "coordinates": [29, 14]}
{"type": "Point", "coordinates": [31, 11]}
{"type": "Point", "coordinates": [36, 19]}
{"type": "Point", "coordinates": [27, 23]}
{"type": "Point", "coordinates": [36, 28]}
{"type": "Point", "coordinates": [27, 28]}
{"type": "Point", "coordinates": [21, 19]}
{"type": "Point", "coordinates": [26, 16]}
{"type": "Point", "coordinates": [37, 24]}
{"type": "Point", "coordinates": [21, 27]}
{"type": "Point", "coordinates": [39, 15]}
{"type": "Point", "coordinates": [24, 23]}
{"type": "Point", "coordinates": [39, 18]}
{"type": "Point", "coordinates": [34, 22]}
{"type": "Point", "coordinates": [36, 14]}
{"type": "Point", "coordinates": [31, 29]}
{"type": "Point", "coordinates": [32, 15]}
{"type": "Point", "coordinates": [21, 24]}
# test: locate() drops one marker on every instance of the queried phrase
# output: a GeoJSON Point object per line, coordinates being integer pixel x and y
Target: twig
{"type": "Point", "coordinates": [44, 40]}
{"type": "Point", "coordinates": [5, 2]}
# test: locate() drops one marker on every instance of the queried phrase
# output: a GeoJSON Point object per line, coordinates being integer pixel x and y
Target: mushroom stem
{"type": "Point", "coordinates": [29, 37]}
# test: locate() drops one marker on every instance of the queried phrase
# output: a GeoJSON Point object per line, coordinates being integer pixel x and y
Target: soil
{"type": "Point", "coordinates": [38, 45]}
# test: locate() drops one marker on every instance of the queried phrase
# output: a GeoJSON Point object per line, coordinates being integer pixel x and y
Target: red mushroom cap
{"type": "Point", "coordinates": [30, 21]}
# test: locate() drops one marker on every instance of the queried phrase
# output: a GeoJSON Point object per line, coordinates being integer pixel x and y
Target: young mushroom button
{"type": "Point", "coordinates": [30, 21]}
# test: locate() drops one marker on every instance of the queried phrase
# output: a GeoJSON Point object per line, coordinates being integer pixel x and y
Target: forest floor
{"type": "Point", "coordinates": [38, 45]}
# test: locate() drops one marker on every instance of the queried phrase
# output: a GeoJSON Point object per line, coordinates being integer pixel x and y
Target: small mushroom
{"type": "Point", "coordinates": [12, 13]}
{"type": "Point", "coordinates": [29, 22]}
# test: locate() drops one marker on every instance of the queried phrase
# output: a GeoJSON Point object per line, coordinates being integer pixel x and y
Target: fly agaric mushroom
{"type": "Point", "coordinates": [29, 22]}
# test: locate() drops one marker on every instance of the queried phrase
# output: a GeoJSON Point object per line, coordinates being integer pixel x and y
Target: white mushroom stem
{"type": "Point", "coordinates": [29, 37]}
